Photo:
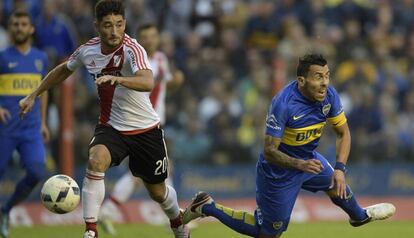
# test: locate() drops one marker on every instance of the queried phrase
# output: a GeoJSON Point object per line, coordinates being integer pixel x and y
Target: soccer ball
{"type": "Point", "coordinates": [60, 194]}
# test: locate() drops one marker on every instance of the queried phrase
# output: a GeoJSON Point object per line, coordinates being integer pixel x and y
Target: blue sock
{"type": "Point", "coordinates": [240, 221]}
{"type": "Point", "coordinates": [350, 206]}
{"type": "Point", "coordinates": [22, 191]}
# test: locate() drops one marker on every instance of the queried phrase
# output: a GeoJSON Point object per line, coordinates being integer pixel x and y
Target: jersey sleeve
{"type": "Point", "coordinates": [137, 57]}
{"type": "Point", "coordinates": [277, 118]}
{"type": "Point", "coordinates": [336, 115]}
{"type": "Point", "coordinates": [75, 60]}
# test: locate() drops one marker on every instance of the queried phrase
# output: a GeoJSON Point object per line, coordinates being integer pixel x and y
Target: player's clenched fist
{"type": "Point", "coordinates": [26, 105]}
{"type": "Point", "coordinates": [313, 166]}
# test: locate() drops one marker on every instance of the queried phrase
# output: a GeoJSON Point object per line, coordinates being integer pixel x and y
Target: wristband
{"type": "Point", "coordinates": [341, 166]}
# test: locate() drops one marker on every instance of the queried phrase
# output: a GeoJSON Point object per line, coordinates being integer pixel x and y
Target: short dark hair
{"type": "Point", "coordinates": [306, 61]}
{"type": "Point", "coordinates": [146, 26]}
{"type": "Point", "coordinates": [108, 7]}
{"type": "Point", "coordinates": [20, 13]}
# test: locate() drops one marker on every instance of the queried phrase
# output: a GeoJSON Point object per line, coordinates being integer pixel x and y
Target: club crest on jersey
{"type": "Point", "coordinates": [38, 64]}
{"type": "Point", "coordinates": [117, 60]}
{"type": "Point", "coordinates": [326, 108]}
{"type": "Point", "coordinates": [277, 225]}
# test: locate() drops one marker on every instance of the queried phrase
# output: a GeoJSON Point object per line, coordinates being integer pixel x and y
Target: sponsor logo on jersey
{"type": "Point", "coordinates": [298, 117]}
{"type": "Point", "coordinates": [113, 73]}
{"type": "Point", "coordinates": [271, 122]}
{"type": "Point", "coordinates": [12, 65]}
{"type": "Point", "coordinates": [302, 136]}
{"type": "Point", "coordinates": [133, 60]}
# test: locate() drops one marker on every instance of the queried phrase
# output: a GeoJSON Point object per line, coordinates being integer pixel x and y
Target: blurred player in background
{"type": "Point", "coordinates": [128, 124]}
{"type": "Point", "coordinates": [21, 70]}
{"type": "Point", "coordinates": [149, 38]}
{"type": "Point", "coordinates": [289, 162]}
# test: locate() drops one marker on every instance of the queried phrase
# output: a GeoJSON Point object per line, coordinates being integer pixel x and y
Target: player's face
{"type": "Point", "coordinates": [20, 29]}
{"type": "Point", "coordinates": [111, 30]}
{"type": "Point", "coordinates": [150, 39]}
{"type": "Point", "coordinates": [315, 84]}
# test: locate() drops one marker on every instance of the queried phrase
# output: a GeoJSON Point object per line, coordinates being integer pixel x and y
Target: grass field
{"type": "Point", "coordinates": [384, 229]}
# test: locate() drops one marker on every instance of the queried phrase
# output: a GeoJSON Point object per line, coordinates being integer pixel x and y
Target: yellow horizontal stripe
{"type": "Point", "coordinates": [18, 84]}
{"type": "Point", "coordinates": [338, 120]}
{"type": "Point", "coordinates": [303, 135]}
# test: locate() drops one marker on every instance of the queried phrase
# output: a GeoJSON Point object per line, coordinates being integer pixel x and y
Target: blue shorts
{"type": "Point", "coordinates": [277, 190]}
{"type": "Point", "coordinates": [30, 148]}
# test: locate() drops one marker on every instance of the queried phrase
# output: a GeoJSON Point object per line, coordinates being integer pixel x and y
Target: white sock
{"type": "Point", "coordinates": [170, 204]}
{"type": "Point", "coordinates": [93, 193]}
{"type": "Point", "coordinates": [124, 187]}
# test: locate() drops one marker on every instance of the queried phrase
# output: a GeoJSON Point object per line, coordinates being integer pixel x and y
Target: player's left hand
{"type": "Point", "coordinates": [107, 78]}
{"type": "Point", "coordinates": [339, 183]}
{"type": "Point", "coordinates": [45, 133]}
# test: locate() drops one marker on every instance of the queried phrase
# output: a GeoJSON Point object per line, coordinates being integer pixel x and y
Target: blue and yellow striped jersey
{"type": "Point", "coordinates": [299, 122]}
{"type": "Point", "coordinates": [20, 74]}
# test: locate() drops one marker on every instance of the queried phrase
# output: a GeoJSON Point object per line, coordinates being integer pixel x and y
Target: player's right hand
{"type": "Point", "coordinates": [26, 105]}
{"type": "Point", "coordinates": [313, 166]}
{"type": "Point", "coordinates": [4, 115]}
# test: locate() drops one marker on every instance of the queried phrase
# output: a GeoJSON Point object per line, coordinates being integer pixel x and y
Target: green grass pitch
{"type": "Point", "coordinates": [384, 229]}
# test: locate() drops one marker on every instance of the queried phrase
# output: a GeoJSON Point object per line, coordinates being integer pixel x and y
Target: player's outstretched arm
{"type": "Point", "coordinates": [54, 77]}
{"type": "Point", "coordinates": [276, 157]}
{"type": "Point", "coordinates": [142, 81]}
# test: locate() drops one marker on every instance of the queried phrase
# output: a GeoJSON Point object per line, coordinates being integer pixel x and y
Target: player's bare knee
{"type": "Point", "coordinates": [156, 192]}
{"type": "Point", "coordinates": [99, 158]}
{"type": "Point", "coordinates": [157, 195]}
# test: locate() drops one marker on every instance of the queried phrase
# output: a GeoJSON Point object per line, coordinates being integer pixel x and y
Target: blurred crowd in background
{"type": "Point", "coordinates": [236, 55]}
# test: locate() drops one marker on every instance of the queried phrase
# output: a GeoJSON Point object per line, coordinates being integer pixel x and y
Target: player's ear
{"type": "Point", "coordinates": [301, 80]}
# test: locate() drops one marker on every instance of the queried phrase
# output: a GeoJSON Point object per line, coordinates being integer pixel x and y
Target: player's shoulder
{"type": "Point", "coordinates": [38, 53]}
{"type": "Point", "coordinates": [7, 51]}
{"type": "Point", "coordinates": [331, 92]}
{"type": "Point", "coordinates": [132, 43]}
{"type": "Point", "coordinates": [90, 44]}
{"type": "Point", "coordinates": [286, 94]}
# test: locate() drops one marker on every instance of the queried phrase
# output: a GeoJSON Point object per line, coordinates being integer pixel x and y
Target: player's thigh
{"type": "Point", "coordinates": [148, 156]}
{"type": "Point", "coordinates": [107, 142]}
{"type": "Point", "coordinates": [321, 181]}
{"type": "Point", "coordinates": [275, 200]}
{"type": "Point", "coordinates": [7, 146]}
{"type": "Point", "coordinates": [32, 155]}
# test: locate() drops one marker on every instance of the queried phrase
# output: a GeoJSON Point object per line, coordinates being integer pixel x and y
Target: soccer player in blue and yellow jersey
{"type": "Point", "coordinates": [289, 162]}
{"type": "Point", "coordinates": [21, 70]}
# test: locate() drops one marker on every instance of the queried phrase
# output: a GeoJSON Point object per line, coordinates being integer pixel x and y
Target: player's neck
{"type": "Point", "coordinates": [305, 94]}
{"type": "Point", "coordinates": [106, 49]}
{"type": "Point", "coordinates": [23, 48]}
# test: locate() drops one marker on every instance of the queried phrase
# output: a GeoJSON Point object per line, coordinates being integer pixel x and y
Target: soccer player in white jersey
{"type": "Point", "coordinates": [149, 37]}
{"type": "Point", "coordinates": [128, 124]}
